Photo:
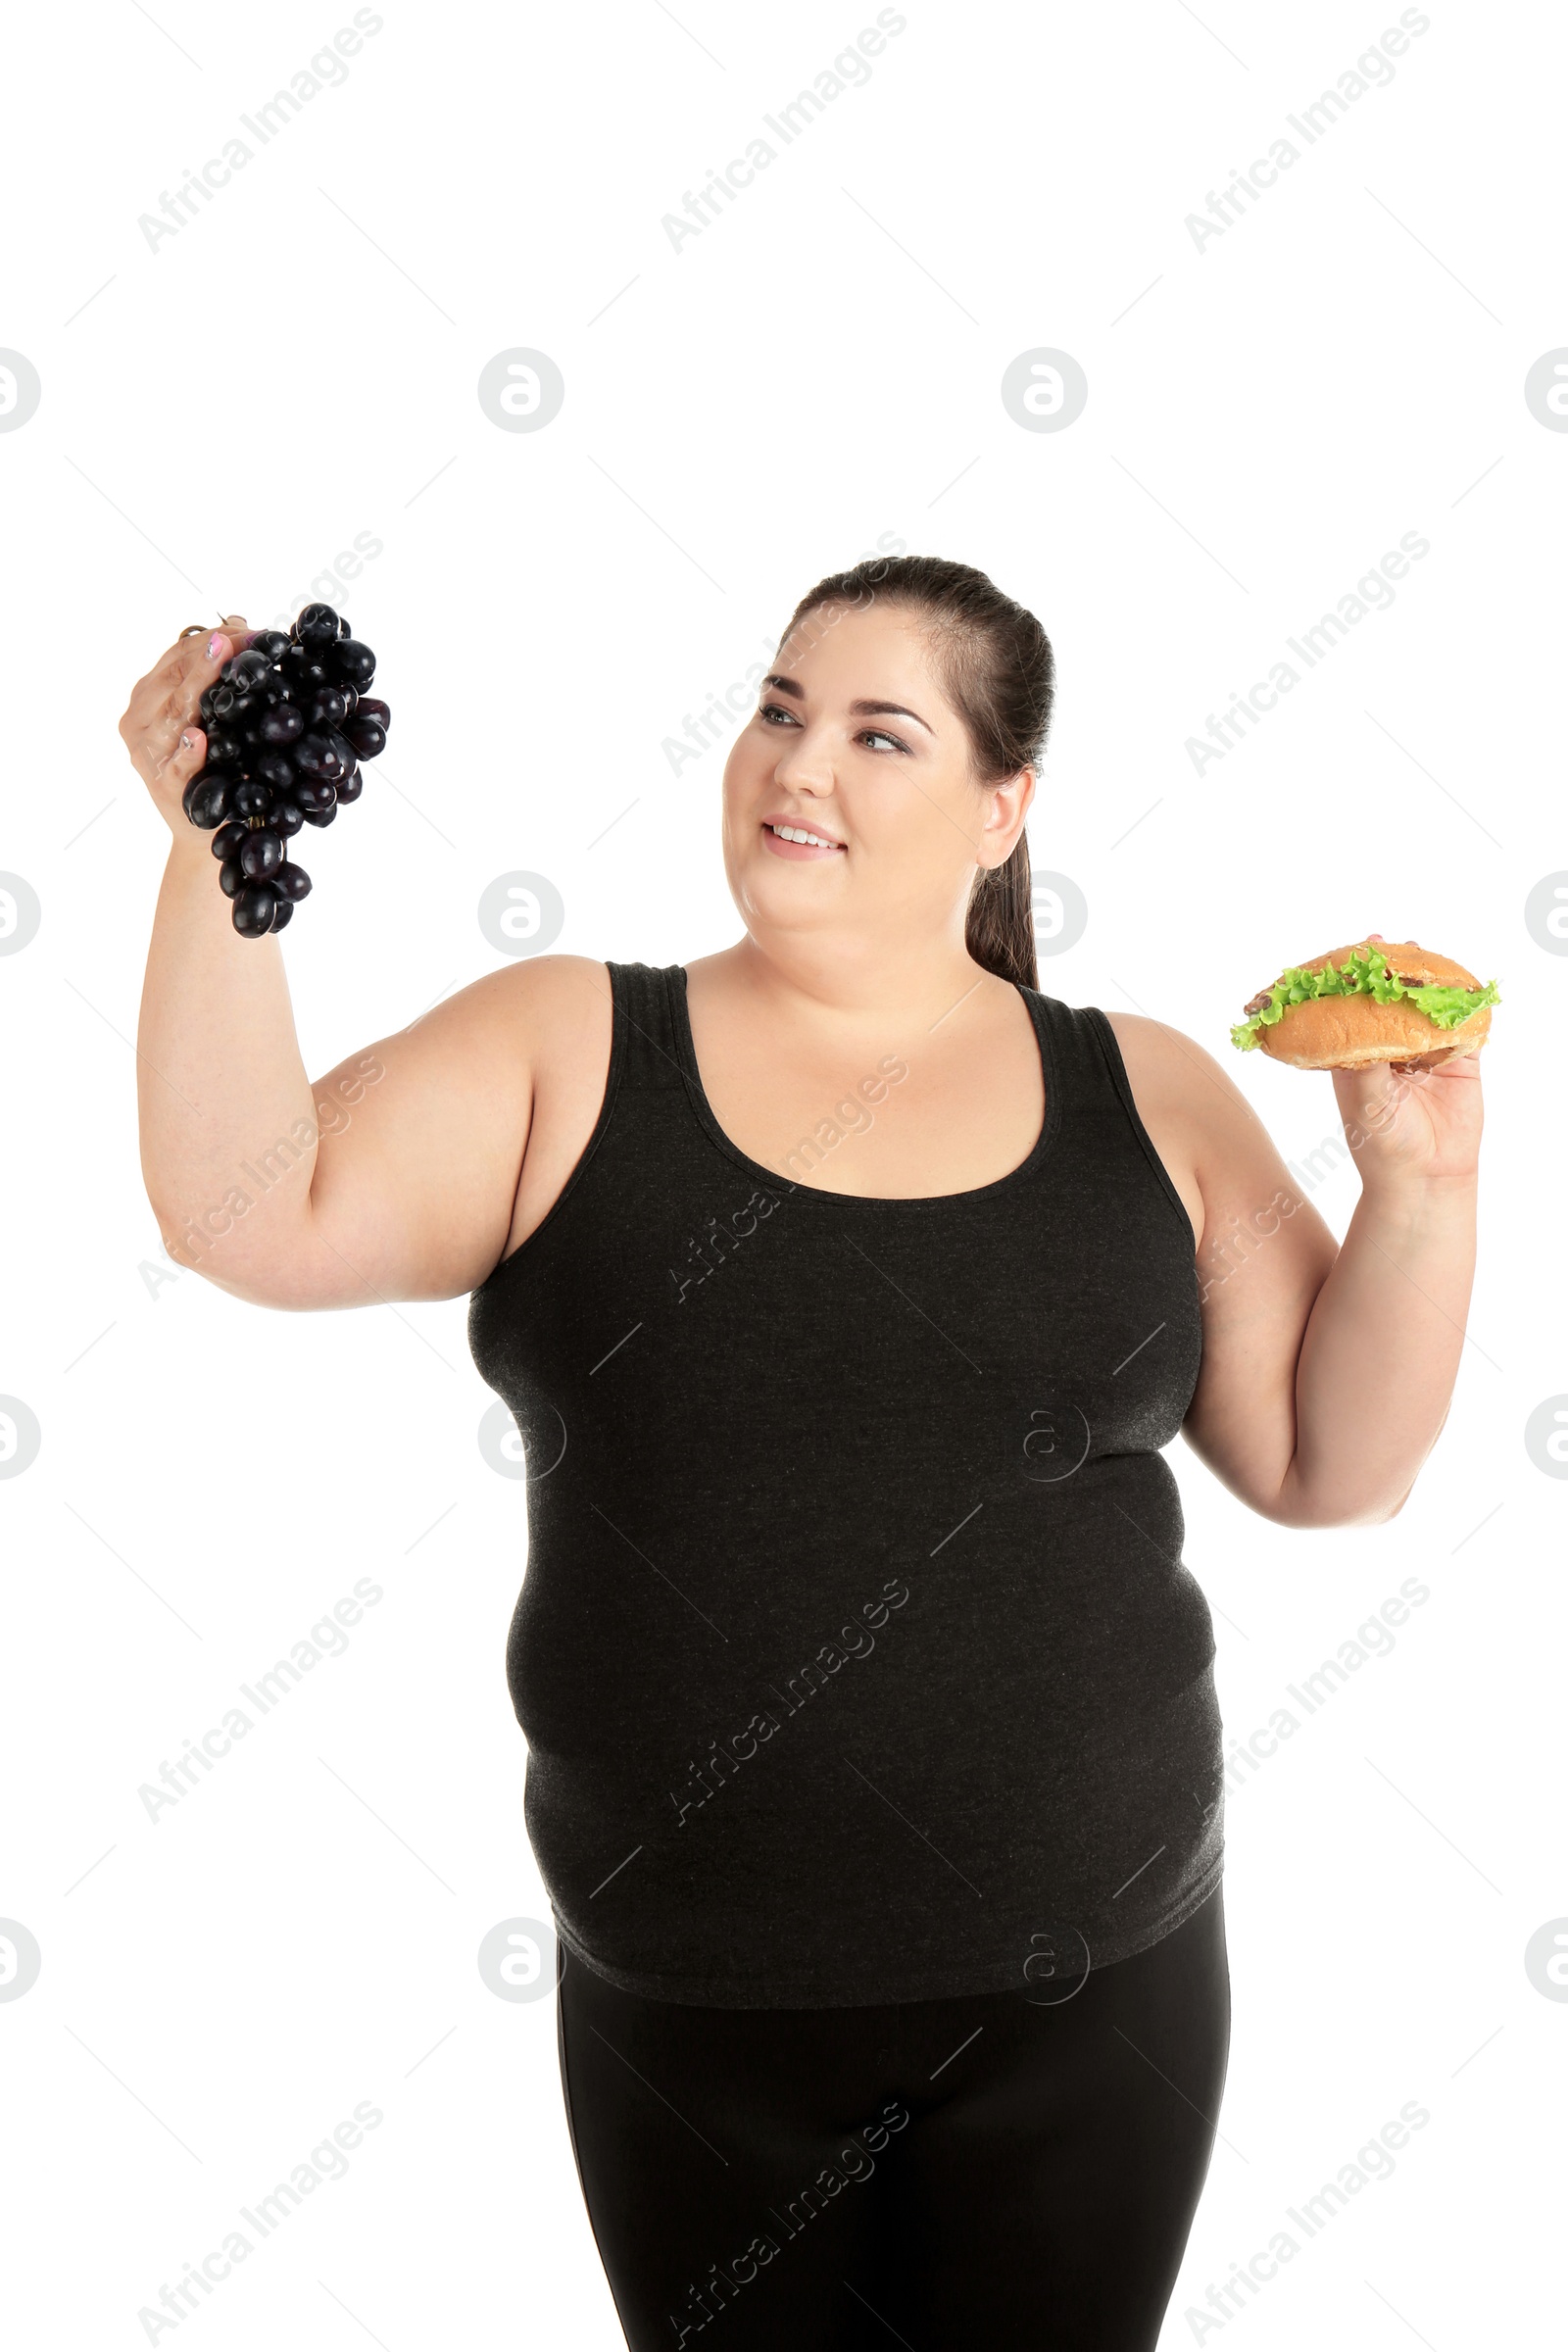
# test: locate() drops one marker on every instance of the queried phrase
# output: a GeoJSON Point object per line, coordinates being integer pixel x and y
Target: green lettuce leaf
{"type": "Point", "coordinates": [1364, 973]}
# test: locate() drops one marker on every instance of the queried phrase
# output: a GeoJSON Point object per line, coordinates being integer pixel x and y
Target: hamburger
{"type": "Point", "coordinates": [1378, 1000]}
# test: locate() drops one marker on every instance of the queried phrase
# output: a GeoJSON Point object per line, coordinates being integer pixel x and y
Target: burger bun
{"type": "Point", "coordinates": [1351, 1033]}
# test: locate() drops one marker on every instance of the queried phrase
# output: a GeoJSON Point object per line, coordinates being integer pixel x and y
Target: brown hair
{"type": "Point", "coordinates": [999, 675]}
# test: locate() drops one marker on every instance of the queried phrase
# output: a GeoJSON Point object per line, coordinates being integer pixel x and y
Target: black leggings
{"type": "Point", "coordinates": [1000, 2170]}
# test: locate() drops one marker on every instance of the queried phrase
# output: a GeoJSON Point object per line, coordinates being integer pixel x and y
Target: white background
{"type": "Point", "coordinates": [817, 370]}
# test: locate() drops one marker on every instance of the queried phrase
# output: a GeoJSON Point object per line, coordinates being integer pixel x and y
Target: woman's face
{"type": "Point", "coordinates": [854, 743]}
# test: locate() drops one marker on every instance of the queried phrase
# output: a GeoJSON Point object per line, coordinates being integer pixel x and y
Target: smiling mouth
{"type": "Point", "coordinates": [800, 835]}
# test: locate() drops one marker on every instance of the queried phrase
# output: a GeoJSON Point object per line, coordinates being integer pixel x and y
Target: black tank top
{"type": "Point", "coordinates": [855, 1653]}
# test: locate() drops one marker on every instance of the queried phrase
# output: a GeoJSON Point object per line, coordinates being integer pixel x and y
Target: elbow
{"type": "Point", "coordinates": [1294, 1506]}
{"type": "Point", "coordinates": [259, 1271]}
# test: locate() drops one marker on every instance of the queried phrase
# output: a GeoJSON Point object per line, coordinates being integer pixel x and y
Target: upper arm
{"type": "Point", "coordinates": [416, 1176]}
{"type": "Point", "coordinates": [1264, 1256]}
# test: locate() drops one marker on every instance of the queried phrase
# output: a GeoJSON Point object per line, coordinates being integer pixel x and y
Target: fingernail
{"type": "Point", "coordinates": [213, 641]}
{"type": "Point", "coordinates": [186, 740]}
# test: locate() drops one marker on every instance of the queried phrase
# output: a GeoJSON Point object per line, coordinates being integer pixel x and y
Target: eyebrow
{"type": "Point", "coordinates": [861, 710]}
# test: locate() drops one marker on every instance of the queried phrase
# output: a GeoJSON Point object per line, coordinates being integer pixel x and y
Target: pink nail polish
{"type": "Point", "coordinates": [213, 641]}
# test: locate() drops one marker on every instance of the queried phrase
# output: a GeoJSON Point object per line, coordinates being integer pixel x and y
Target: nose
{"type": "Point", "coordinates": [804, 764]}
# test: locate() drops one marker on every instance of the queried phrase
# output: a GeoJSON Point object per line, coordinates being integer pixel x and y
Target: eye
{"type": "Point", "coordinates": [770, 711]}
{"type": "Point", "coordinates": [880, 734]}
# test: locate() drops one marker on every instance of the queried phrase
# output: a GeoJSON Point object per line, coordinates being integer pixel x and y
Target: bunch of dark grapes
{"type": "Point", "coordinates": [288, 721]}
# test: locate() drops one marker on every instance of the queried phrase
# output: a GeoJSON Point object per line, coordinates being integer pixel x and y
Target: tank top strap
{"type": "Point", "coordinates": [1094, 1096]}
{"type": "Point", "coordinates": [1071, 1052]}
{"type": "Point", "coordinates": [647, 1041]}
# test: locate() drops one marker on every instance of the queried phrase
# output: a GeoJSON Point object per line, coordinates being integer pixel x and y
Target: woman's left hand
{"type": "Point", "coordinates": [1409, 1126]}
{"type": "Point", "coordinates": [1406, 1124]}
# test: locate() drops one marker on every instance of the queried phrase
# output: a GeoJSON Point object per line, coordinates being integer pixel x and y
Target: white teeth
{"type": "Point", "coordinates": [813, 841]}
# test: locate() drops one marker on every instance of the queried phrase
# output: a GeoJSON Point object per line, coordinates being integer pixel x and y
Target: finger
{"type": "Point", "coordinates": [184, 758]}
{"type": "Point", "coordinates": [196, 662]}
{"type": "Point", "coordinates": [202, 658]}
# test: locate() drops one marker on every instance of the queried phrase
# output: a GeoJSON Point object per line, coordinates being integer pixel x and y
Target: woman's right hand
{"type": "Point", "coordinates": [162, 727]}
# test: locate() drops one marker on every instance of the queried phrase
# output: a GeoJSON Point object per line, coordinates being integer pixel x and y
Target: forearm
{"type": "Point", "coordinates": [1381, 1352]}
{"type": "Point", "coordinates": [226, 1117]}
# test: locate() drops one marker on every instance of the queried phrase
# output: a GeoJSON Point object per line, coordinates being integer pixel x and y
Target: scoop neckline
{"type": "Point", "coordinates": [696, 1096]}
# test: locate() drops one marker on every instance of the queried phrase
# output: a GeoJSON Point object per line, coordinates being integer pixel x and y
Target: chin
{"type": "Point", "coordinates": [786, 896]}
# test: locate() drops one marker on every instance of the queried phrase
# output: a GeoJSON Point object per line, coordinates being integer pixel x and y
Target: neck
{"type": "Point", "coordinates": [857, 979]}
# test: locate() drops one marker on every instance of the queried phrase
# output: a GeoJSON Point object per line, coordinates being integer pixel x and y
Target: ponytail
{"type": "Point", "coordinates": [1000, 929]}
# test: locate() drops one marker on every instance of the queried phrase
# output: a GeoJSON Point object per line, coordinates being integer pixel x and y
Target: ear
{"type": "Point", "coordinates": [1007, 807]}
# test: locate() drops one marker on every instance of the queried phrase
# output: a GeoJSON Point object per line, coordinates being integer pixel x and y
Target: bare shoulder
{"type": "Point", "coordinates": [522, 1016]}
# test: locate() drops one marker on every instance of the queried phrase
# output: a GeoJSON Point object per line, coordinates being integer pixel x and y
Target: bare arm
{"type": "Point", "coordinates": [1328, 1371]}
{"type": "Point", "coordinates": [393, 1177]}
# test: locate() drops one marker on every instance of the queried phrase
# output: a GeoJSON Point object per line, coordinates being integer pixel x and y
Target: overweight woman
{"type": "Point", "coordinates": [845, 1290]}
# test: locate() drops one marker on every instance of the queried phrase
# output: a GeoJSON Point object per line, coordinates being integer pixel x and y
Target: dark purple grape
{"type": "Point", "coordinates": [287, 816]}
{"type": "Point", "coordinates": [312, 794]}
{"type": "Point", "coordinates": [272, 644]}
{"type": "Point", "coordinates": [282, 913]}
{"type": "Point", "coordinates": [310, 753]}
{"type": "Point", "coordinates": [344, 628]}
{"type": "Point", "coordinates": [273, 768]}
{"type": "Point", "coordinates": [205, 706]}
{"type": "Point", "coordinates": [371, 707]}
{"type": "Point", "coordinates": [225, 747]}
{"type": "Point", "coordinates": [251, 800]}
{"type": "Point", "coordinates": [316, 626]}
{"type": "Point", "coordinates": [322, 751]}
{"type": "Point", "coordinates": [248, 668]}
{"type": "Point", "coordinates": [245, 711]}
{"type": "Point", "coordinates": [304, 671]}
{"type": "Point", "coordinates": [291, 882]}
{"type": "Point", "coordinates": [281, 723]}
{"type": "Point", "coordinates": [261, 853]}
{"type": "Point", "coordinates": [350, 786]}
{"type": "Point", "coordinates": [253, 908]}
{"type": "Point", "coordinates": [366, 735]}
{"type": "Point", "coordinates": [353, 663]}
{"type": "Point", "coordinates": [230, 877]}
{"type": "Point", "coordinates": [328, 707]}
{"type": "Point", "coordinates": [227, 838]}
{"type": "Point", "coordinates": [321, 816]}
{"type": "Point", "coordinates": [223, 699]}
{"type": "Point", "coordinates": [210, 805]}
